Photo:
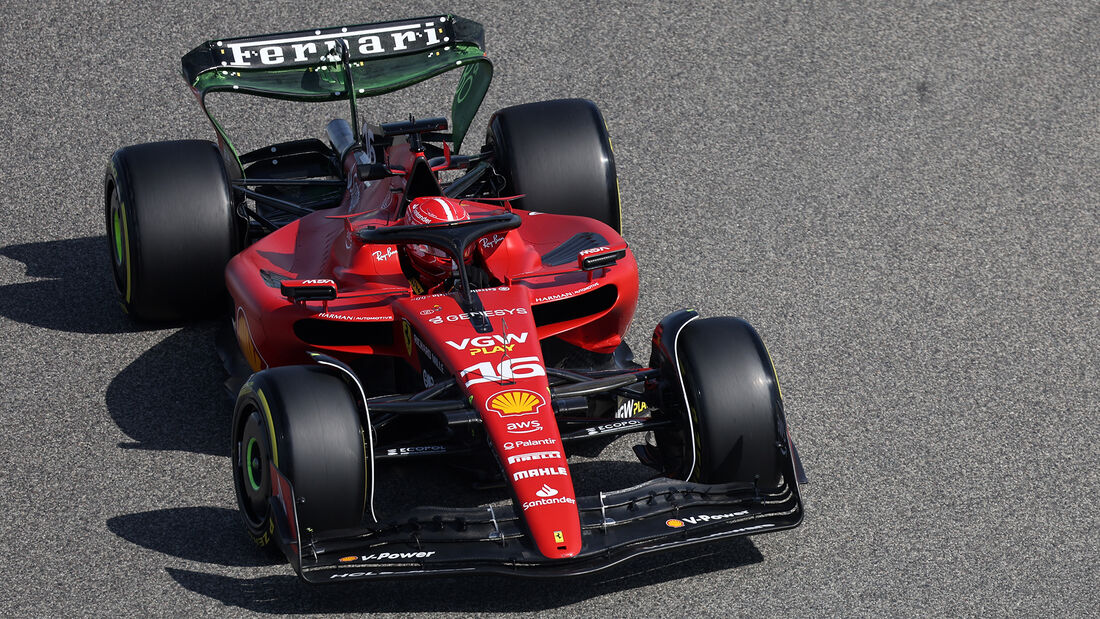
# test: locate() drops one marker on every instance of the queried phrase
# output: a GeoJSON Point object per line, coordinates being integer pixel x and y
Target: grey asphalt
{"type": "Point", "coordinates": [901, 196]}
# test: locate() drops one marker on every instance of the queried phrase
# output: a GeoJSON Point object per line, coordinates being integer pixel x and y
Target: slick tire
{"type": "Point", "coordinates": [558, 154]}
{"type": "Point", "coordinates": [305, 422]}
{"type": "Point", "coordinates": [734, 415]}
{"type": "Point", "coordinates": [171, 229]}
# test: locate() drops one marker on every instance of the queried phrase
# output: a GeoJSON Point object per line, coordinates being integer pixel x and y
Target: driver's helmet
{"type": "Point", "coordinates": [433, 263]}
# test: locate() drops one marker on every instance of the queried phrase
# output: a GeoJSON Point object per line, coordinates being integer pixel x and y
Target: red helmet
{"type": "Point", "coordinates": [433, 263]}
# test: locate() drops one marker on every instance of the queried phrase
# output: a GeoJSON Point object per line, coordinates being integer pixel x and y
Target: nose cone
{"type": "Point", "coordinates": [504, 375]}
{"type": "Point", "coordinates": [524, 434]}
{"type": "Point", "coordinates": [549, 505]}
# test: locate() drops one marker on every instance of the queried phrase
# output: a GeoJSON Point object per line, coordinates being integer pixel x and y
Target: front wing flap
{"type": "Point", "coordinates": [654, 516]}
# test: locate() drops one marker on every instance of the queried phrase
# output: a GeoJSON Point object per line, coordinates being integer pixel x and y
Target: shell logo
{"type": "Point", "coordinates": [674, 523]}
{"type": "Point", "coordinates": [515, 402]}
{"type": "Point", "coordinates": [348, 559]}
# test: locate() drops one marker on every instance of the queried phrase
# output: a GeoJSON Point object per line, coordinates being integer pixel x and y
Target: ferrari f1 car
{"type": "Point", "coordinates": [395, 299]}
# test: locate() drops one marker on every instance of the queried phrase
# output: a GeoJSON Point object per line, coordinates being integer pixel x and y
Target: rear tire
{"type": "Point", "coordinates": [318, 446]}
{"type": "Point", "coordinates": [559, 155]}
{"type": "Point", "coordinates": [735, 414]}
{"type": "Point", "coordinates": [171, 229]}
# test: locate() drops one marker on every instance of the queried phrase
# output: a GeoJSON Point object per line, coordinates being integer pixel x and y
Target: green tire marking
{"type": "Point", "coordinates": [125, 244]}
{"type": "Point", "coordinates": [122, 248]}
{"type": "Point", "coordinates": [248, 464]}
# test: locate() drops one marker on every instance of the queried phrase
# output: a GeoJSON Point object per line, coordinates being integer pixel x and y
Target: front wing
{"type": "Point", "coordinates": [653, 516]}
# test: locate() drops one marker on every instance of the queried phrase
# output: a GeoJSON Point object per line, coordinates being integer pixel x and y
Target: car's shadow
{"type": "Point", "coordinates": [469, 595]}
{"type": "Point", "coordinates": [213, 535]}
{"type": "Point", "coordinates": [203, 534]}
{"type": "Point", "coordinates": [169, 398]}
{"type": "Point", "coordinates": [74, 282]}
{"type": "Point", "coordinates": [173, 397]}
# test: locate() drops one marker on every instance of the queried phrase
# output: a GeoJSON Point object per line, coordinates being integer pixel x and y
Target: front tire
{"type": "Point", "coordinates": [559, 155]}
{"type": "Point", "coordinates": [733, 428]}
{"type": "Point", "coordinates": [171, 229]}
{"type": "Point", "coordinates": [305, 422]}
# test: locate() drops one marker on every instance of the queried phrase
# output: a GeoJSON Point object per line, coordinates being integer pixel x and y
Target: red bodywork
{"type": "Point", "coordinates": [503, 372]}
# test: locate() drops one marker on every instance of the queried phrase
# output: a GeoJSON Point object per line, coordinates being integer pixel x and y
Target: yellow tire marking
{"type": "Point", "coordinates": [774, 374]}
{"type": "Point", "coordinates": [270, 427]}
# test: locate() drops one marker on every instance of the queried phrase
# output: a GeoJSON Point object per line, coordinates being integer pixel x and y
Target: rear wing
{"type": "Point", "coordinates": [385, 56]}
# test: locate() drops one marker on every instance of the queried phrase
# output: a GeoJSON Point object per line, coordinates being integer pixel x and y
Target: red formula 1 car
{"type": "Point", "coordinates": [394, 299]}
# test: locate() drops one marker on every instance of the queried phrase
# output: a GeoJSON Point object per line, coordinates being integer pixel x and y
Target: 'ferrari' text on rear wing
{"type": "Point", "coordinates": [305, 65]}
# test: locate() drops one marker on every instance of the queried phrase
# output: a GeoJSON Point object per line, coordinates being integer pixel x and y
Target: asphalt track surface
{"type": "Point", "coordinates": [902, 197]}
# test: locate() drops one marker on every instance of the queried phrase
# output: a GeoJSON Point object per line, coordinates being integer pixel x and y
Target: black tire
{"type": "Point", "coordinates": [735, 415]}
{"type": "Point", "coordinates": [171, 228]}
{"type": "Point", "coordinates": [318, 446]}
{"type": "Point", "coordinates": [558, 153]}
